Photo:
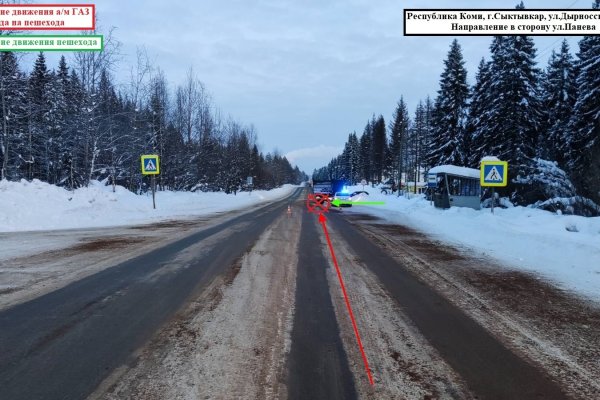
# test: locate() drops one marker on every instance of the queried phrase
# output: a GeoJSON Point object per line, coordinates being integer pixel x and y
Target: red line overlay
{"type": "Point", "coordinates": [322, 220]}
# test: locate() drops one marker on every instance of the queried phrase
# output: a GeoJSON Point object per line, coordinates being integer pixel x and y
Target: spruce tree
{"type": "Point", "coordinates": [354, 158]}
{"type": "Point", "coordinates": [489, 136]}
{"type": "Point", "coordinates": [509, 125]}
{"type": "Point", "coordinates": [13, 111]}
{"type": "Point", "coordinates": [38, 150]}
{"type": "Point", "coordinates": [584, 141]}
{"type": "Point", "coordinates": [351, 159]}
{"type": "Point", "coordinates": [427, 137]}
{"type": "Point", "coordinates": [398, 134]}
{"type": "Point", "coordinates": [559, 96]}
{"type": "Point", "coordinates": [448, 145]}
{"type": "Point", "coordinates": [110, 140]}
{"type": "Point", "coordinates": [526, 112]}
{"type": "Point", "coordinates": [72, 162]}
{"type": "Point", "coordinates": [365, 153]}
{"type": "Point", "coordinates": [476, 129]}
{"type": "Point", "coordinates": [379, 147]}
{"type": "Point", "coordinates": [418, 137]}
{"type": "Point", "coordinates": [58, 122]}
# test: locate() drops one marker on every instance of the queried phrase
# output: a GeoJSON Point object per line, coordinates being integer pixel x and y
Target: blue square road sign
{"type": "Point", "coordinates": [150, 164]}
{"type": "Point", "coordinates": [494, 173]}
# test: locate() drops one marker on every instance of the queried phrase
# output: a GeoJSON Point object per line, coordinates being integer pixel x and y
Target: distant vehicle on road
{"type": "Point", "coordinates": [335, 185]}
{"type": "Point", "coordinates": [342, 196]}
{"type": "Point", "coordinates": [322, 187]}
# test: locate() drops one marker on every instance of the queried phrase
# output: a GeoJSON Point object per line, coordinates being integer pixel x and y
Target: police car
{"type": "Point", "coordinates": [342, 196]}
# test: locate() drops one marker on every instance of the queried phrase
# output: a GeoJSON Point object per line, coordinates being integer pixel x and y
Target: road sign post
{"type": "Point", "coordinates": [151, 166]}
{"type": "Point", "coordinates": [493, 174]}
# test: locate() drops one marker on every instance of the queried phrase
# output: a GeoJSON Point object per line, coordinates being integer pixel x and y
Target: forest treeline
{"type": "Point", "coordinates": [544, 122]}
{"type": "Point", "coordinates": [70, 125]}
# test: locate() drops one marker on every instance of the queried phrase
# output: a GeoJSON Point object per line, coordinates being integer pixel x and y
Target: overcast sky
{"type": "Point", "coordinates": [304, 72]}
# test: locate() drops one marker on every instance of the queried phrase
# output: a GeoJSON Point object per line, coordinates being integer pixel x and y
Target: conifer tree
{"type": "Point", "coordinates": [13, 111]}
{"type": "Point", "coordinates": [379, 147]}
{"type": "Point", "coordinates": [448, 144]}
{"type": "Point", "coordinates": [584, 140]}
{"type": "Point", "coordinates": [476, 129]}
{"type": "Point", "coordinates": [398, 135]}
{"type": "Point", "coordinates": [509, 123]}
{"type": "Point", "coordinates": [38, 140]}
{"type": "Point", "coordinates": [365, 153]}
{"type": "Point", "coordinates": [558, 98]}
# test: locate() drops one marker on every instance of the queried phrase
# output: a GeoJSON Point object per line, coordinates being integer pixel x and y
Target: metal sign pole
{"type": "Point", "coordinates": [154, 191]}
{"type": "Point", "coordinates": [493, 198]}
{"type": "Point", "coordinates": [151, 166]}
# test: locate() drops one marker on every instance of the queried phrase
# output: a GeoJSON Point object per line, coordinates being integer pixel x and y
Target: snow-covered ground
{"type": "Point", "coordinates": [562, 248]}
{"type": "Point", "coordinates": [29, 206]}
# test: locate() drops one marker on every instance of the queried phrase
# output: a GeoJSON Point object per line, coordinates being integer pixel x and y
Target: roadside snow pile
{"type": "Point", "coordinates": [563, 248]}
{"type": "Point", "coordinates": [36, 205]}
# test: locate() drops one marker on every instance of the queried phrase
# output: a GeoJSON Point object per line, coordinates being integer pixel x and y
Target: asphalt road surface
{"type": "Point", "coordinates": [66, 343]}
{"type": "Point", "coordinates": [489, 368]}
{"type": "Point", "coordinates": [318, 368]}
{"type": "Point", "coordinates": [61, 345]}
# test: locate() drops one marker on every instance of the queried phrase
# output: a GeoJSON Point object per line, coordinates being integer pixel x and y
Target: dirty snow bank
{"type": "Point", "coordinates": [36, 205]}
{"type": "Point", "coordinates": [562, 248]}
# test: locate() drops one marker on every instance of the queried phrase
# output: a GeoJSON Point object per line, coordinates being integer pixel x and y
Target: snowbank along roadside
{"type": "Point", "coordinates": [36, 205]}
{"type": "Point", "coordinates": [562, 248]}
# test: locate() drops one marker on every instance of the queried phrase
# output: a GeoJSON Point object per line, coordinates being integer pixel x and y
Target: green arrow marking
{"type": "Point", "coordinates": [338, 202]}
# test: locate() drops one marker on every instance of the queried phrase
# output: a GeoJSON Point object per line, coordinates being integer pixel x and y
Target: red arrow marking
{"type": "Point", "coordinates": [322, 220]}
{"type": "Point", "coordinates": [317, 205]}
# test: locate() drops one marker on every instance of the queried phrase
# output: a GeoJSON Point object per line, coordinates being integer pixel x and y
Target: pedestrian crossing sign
{"type": "Point", "coordinates": [494, 173]}
{"type": "Point", "coordinates": [150, 164]}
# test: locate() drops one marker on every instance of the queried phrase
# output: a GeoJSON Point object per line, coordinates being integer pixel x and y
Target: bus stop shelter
{"type": "Point", "coordinates": [456, 186]}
